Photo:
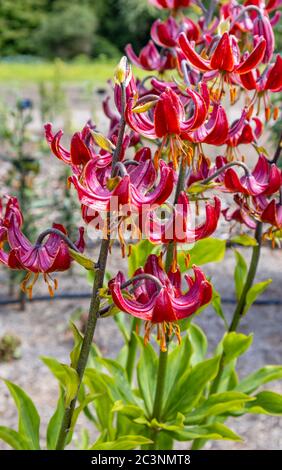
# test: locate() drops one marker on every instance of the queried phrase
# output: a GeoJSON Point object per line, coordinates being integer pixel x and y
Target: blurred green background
{"type": "Point", "coordinates": [60, 28]}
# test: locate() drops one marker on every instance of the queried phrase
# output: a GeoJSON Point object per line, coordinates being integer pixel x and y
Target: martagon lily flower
{"type": "Point", "coordinates": [269, 80]}
{"type": "Point", "coordinates": [39, 258]}
{"type": "Point", "coordinates": [225, 57]}
{"type": "Point", "coordinates": [179, 227]}
{"type": "Point", "coordinates": [136, 187]}
{"type": "Point", "coordinates": [165, 33]}
{"type": "Point", "coordinates": [80, 152]}
{"type": "Point", "coordinates": [265, 179]}
{"type": "Point", "coordinates": [150, 58]}
{"type": "Point", "coordinates": [167, 120]}
{"type": "Point", "coordinates": [161, 303]}
{"type": "Point", "coordinates": [269, 211]}
{"type": "Point", "coordinates": [243, 214]}
{"type": "Point", "coordinates": [168, 116]}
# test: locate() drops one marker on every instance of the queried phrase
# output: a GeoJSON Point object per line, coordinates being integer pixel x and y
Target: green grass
{"type": "Point", "coordinates": [96, 72]}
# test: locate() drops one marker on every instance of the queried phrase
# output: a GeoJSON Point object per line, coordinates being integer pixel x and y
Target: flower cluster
{"type": "Point", "coordinates": [210, 77]}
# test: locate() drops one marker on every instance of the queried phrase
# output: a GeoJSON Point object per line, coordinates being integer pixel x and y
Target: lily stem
{"type": "Point", "coordinates": [95, 299]}
{"type": "Point", "coordinates": [249, 280]}
{"type": "Point", "coordinates": [225, 167]}
{"type": "Point", "coordinates": [239, 310]}
{"type": "Point", "coordinates": [179, 188]}
{"type": "Point", "coordinates": [237, 315]}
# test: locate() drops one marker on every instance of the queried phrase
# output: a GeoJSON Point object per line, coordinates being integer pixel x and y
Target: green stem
{"type": "Point", "coordinates": [132, 349]}
{"type": "Point", "coordinates": [95, 298]}
{"type": "Point", "coordinates": [179, 188]}
{"type": "Point", "coordinates": [224, 168]}
{"type": "Point", "coordinates": [249, 280]}
{"type": "Point", "coordinates": [237, 315]}
{"type": "Point", "coordinates": [159, 394]}
{"type": "Point", "coordinates": [158, 402]}
{"type": "Point", "coordinates": [239, 310]}
{"type": "Point", "coordinates": [87, 340]}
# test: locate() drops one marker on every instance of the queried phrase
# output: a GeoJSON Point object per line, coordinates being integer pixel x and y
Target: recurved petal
{"type": "Point", "coordinates": [192, 56]}
{"type": "Point", "coordinates": [253, 59]}
{"type": "Point", "coordinates": [135, 308]}
{"type": "Point", "coordinates": [222, 57]}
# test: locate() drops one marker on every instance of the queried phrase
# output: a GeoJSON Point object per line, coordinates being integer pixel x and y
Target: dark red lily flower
{"type": "Point", "coordinates": [264, 179]}
{"type": "Point", "coordinates": [44, 258]}
{"type": "Point", "coordinates": [216, 131]}
{"type": "Point", "coordinates": [11, 208]}
{"type": "Point", "coordinates": [169, 115]}
{"type": "Point", "coordinates": [272, 214]}
{"type": "Point", "coordinates": [243, 214]}
{"type": "Point", "coordinates": [248, 134]}
{"type": "Point", "coordinates": [181, 225]}
{"type": "Point", "coordinates": [80, 152]}
{"type": "Point", "coordinates": [225, 57]}
{"type": "Point", "coordinates": [200, 171]}
{"type": "Point", "coordinates": [162, 306]}
{"type": "Point", "coordinates": [170, 4]}
{"type": "Point", "coordinates": [136, 188]}
{"type": "Point", "coordinates": [150, 58]}
{"type": "Point", "coordinates": [269, 212]}
{"type": "Point", "coordinates": [271, 79]}
{"type": "Point", "coordinates": [165, 33]}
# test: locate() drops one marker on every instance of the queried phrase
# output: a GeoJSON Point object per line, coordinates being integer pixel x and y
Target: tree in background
{"type": "Point", "coordinates": [18, 21]}
{"type": "Point", "coordinates": [67, 31]}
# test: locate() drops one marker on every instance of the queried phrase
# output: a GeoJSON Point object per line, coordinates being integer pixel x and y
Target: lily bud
{"type": "Point", "coordinates": [121, 71]}
{"type": "Point", "coordinates": [262, 27]}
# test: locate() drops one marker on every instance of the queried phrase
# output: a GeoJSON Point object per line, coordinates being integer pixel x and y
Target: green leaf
{"type": "Point", "coordinates": [101, 384]}
{"type": "Point", "coordinates": [122, 389]}
{"type": "Point", "coordinates": [244, 240]}
{"type": "Point", "coordinates": [219, 403]}
{"type": "Point", "coordinates": [256, 379]}
{"type": "Point", "coordinates": [215, 431]}
{"type": "Point", "coordinates": [240, 273]}
{"type": "Point", "coordinates": [129, 442]}
{"type": "Point", "coordinates": [217, 306]}
{"type": "Point", "coordinates": [29, 420]}
{"type": "Point", "coordinates": [147, 374]}
{"type": "Point", "coordinates": [120, 320]}
{"type": "Point", "coordinates": [139, 254]}
{"type": "Point", "coordinates": [199, 343]}
{"type": "Point", "coordinates": [14, 439]}
{"type": "Point", "coordinates": [266, 403]}
{"type": "Point", "coordinates": [255, 291]}
{"type": "Point", "coordinates": [66, 376]}
{"type": "Point", "coordinates": [177, 363]}
{"type": "Point", "coordinates": [235, 344]}
{"type": "Point", "coordinates": [198, 187]}
{"type": "Point", "coordinates": [209, 250]}
{"type": "Point", "coordinates": [78, 338]}
{"type": "Point", "coordinates": [55, 423]}
{"type": "Point", "coordinates": [130, 411]}
{"type": "Point", "coordinates": [83, 260]}
{"type": "Point", "coordinates": [190, 387]}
